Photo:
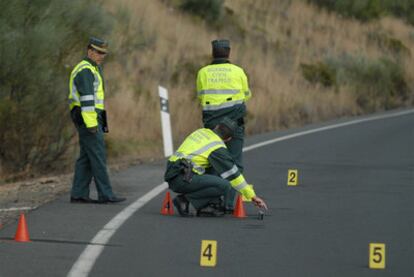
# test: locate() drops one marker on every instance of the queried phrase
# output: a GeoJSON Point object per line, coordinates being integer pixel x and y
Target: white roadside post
{"type": "Point", "coordinates": [165, 122]}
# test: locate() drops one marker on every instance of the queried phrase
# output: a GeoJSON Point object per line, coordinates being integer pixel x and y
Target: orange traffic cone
{"type": "Point", "coordinates": [22, 234]}
{"type": "Point", "coordinates": [239, 210]}
{"type": "Point", "coordinates": [167, 206]}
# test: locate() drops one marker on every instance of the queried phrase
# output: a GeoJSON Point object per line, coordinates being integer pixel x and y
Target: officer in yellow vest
{"type": "Point", "coordinates": [222, 90]}
{"type": "Point", "coordinates": [86, 104]}
{"type": "Point", "coordinates": [187, 172]}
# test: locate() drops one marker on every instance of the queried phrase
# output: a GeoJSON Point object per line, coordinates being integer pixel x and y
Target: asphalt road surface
{"type": "Point", "coordinates": [355, 187]}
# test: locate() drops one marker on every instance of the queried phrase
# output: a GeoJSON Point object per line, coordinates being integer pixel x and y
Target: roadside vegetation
{"type": "Point", "coordinates": [39, 40]}
{"type": "Point", "coordinates": [307, 61]}
{"type": "Point", "coordinates": [367, 10]}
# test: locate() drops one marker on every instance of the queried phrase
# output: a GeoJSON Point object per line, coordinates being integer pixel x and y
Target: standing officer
{"type": "Point", "coordinates": [86, 103]}
{"type": "Point", "coordinates": [186, 172]}
{"type": "Point", "coordinates": [222, 90]}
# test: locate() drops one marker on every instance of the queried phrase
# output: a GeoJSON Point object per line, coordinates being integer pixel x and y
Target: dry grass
{"type": "Point", "coordinates": [280, 36]}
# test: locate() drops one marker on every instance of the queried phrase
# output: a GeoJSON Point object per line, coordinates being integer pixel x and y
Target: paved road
{"type": "Point", "coordinates": [356, 186]}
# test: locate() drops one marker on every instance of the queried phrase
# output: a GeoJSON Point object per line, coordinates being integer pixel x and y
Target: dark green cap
{"type": "Point", "coordinates": [220, 43]}
{"type": "Point", "coordinates": [98, 44]}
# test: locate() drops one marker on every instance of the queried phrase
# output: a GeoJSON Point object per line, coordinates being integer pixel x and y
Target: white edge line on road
{"type": "Point", "coordinates": [356, 121]}
{"type": "Point", "coordinates": [17, 209]}
{"type": "Point", "coordinates": [87, 259]}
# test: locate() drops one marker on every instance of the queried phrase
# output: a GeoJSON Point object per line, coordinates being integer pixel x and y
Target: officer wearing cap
{"type": "Point", "coordinates": [188, 172]}
{"type": "Point", "coordinates": [86, 104]}
{"type": "Point", "coordinates": [223, 89]}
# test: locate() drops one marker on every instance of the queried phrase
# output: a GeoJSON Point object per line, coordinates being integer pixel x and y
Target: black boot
{"type": "Point", "coordinates": [211, 210]}
{"type": "Point", "coordinates": [182, 205]}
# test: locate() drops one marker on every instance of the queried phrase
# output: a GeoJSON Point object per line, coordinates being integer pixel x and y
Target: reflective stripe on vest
{"type": "Point", "coordinates": [230, 172]}
{"type": "Point", "coordinates": [87, 98]}
{"type": "Point", "coordinates": [218, 91]}
{"type": "Point", "coordinates": [238, 183]}
{"type": "Point", "coordinates": [197, 147]}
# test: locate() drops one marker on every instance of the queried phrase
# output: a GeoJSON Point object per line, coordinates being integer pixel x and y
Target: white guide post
{"type": "Point", "coordinates": [165, 122]}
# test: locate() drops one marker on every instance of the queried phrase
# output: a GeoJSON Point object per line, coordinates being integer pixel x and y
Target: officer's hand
{"type": "Point", "coordinates": [259, 202]}
{"type": "Point", "coordinates": [93, 130]}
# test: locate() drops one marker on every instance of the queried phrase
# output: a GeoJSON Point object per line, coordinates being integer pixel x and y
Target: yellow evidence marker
{"type": "Point", "coordinates": [377, 255]}
{"type": "Point", "coordinates": [208, 256]}
{"type": "Point", "coordinates": [292, 177]}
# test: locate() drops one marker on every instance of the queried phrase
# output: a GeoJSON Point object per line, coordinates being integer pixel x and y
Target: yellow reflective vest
{"type": "Point", "coordinates": [89, 103]}
{"type": "Point", "coordinates": [222, 86]}
{"type": "Point", "coordinates": [198, 146]}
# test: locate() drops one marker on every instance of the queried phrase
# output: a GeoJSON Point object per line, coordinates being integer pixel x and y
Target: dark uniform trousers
{"type": "Point", "coordinates": [235, 147]}
{"type": "Point", "coordinates": [91, 163]}
{"type": "Point", "coordinates": [202, 189]}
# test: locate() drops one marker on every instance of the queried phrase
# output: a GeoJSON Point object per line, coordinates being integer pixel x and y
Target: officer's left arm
{"type": "Point", "coordinates": [199, 84]}
{"type": "Point", "coordinates": [223, 163]}
{"type": "Point", "coordinates": [84, 83]}
{"type": "Point", "coordinates": [245, 86]}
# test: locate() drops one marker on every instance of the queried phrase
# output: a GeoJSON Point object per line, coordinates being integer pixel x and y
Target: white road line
{"type": "Point", "coordinates": [261, 144]}
{"type": "Point", "coordinates": [17, 209]}
{"type": "Point", "coordinates": [87, 259]}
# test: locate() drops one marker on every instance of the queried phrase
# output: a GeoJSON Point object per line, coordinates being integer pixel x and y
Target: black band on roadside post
{"type": "Point", "coordinates": [164, 105]}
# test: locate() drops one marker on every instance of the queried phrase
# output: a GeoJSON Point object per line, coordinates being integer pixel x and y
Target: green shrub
{"type": "Point", "coordinates": [388, 43]}
{"type": "Point", "coordinates": [214, 12]}
{"type": "Point", "coordinates": [186, 70]}
{"type": "Point", "coordinates": [370, 9]}
{"type": "Point", "coordinates": [361, 9]}
{"type": "Point", "coordinates": [401, 8]}
{"type": "Point", "coordinates": [319, 73]}
{"type": "Point", "coordinates": [39, 42]}
{"type": "Point", "coordinates": [378, 84]}
{"type": "Point", "coordinates": [210, 10]}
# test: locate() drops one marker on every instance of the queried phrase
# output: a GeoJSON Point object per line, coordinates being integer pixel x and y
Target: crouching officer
{"type": "Point", "coordinates": [187, 172]}
{"type": "Point", "coordinates": [86, 104]}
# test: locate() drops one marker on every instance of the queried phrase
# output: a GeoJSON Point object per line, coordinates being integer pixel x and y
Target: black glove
{"type": "Point", "coordinates": [104, 122]}
{"type": "Point", "coordinates": [76, 116]}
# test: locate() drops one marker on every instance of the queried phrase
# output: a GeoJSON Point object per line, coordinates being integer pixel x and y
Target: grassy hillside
{"type": "Point", "coordinates": [305, 64]}
{"type": "Point", "coordinates": [288, 48]}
